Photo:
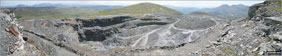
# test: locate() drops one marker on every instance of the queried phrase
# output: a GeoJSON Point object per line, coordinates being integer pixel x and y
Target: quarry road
{"type": "Point", "coordinates": [164, 32]}
{"type": "Point", "coordinates": [144, 38]}
{"type": "Point", "coordinates": [204, 41]}
{"type": "Point", "coordinates": [128, 37]}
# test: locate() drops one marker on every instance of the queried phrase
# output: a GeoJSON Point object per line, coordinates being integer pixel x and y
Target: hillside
{"type": "Point", "coordinates": [24, 13]}
{"type": "Point", "coordinates": [141, 8]}
{"type": "Point", "coordinates": [54, 11]}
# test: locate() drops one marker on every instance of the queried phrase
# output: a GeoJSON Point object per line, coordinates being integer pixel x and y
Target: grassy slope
{"type": "Point", "coordinates": [141, 8]}
{"type": "Point", "coordinates": [278, 8]}
{"type": "Point", "coordinates": [202, 13]}
{"type": "Point", "coordinates": [54, 13]}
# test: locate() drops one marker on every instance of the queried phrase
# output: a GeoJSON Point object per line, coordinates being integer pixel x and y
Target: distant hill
{"type": "Point", "coordinates": [230, 10]}
{"type": "Point", "coordinates": [101, 6]}
{"type": "Point", "coordinates": [226, 11]}
{"type": "Point", "coordinates": [141, 8]}
{"type": "Point", "coordinates": [47, 5]}
{"type": "Point", "coordinates": [69, 5]}
{"type": "Point", "coordinates": [184, 10]}
{"type": "Point", "coordinates": [201, 13]}
{"type": "Point", "coordinates": [22, 5]}
{"type": "Point", "coordinates": [239, 11]}
{"type": "Point", "coordinates": [23, 13]}
{"type": "Point", "coordinates": [57, 11]}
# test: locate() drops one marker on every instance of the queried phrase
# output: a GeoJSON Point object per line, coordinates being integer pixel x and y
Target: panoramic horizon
{"type": "Point", "coordinates": [195, 4]}
{"type": "Point", "coordinates": [141, 28]}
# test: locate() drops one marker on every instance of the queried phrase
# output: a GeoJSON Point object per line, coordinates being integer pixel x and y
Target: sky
{"type": "Point", "coordinates": [197, 4]}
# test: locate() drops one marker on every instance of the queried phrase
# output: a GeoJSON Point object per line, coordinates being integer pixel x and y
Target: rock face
{"type": "Point", "coordinates": [17, 41]}
{"type": "Point", "coordinates": [11, 42]}
{"type": "Point", "coordinates": [265, 9]}
{"type": "Point", "coordinates": [49, 38]}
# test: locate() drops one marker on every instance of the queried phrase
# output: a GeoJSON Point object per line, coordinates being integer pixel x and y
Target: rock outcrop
{"type": "Point", "coordinates": [256, 35]}
{"type": "Point", "coordinates": [12, 42]}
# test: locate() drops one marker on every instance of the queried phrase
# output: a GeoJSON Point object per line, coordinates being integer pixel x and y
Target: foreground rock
{"type": "Point", "coordinates": [11, 42]}
{"type": "Point", "coordinates": [16, 41]}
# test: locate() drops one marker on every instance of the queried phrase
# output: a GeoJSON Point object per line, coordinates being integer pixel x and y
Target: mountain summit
{"type": "Point", "coordinates": [141, 8]}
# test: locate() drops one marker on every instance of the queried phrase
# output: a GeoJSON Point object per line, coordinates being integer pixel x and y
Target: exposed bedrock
{"type": "Point", "coordinates": [102, 22]}
{"type": "Point", "coordinates": [97, 34]}
{"type": "Point", "coordinates": [104, 33]}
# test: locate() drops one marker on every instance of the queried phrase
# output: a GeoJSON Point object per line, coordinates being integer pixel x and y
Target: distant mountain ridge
{"type": "Point", "coordinates": [184, 10]}
{"type": "Point", "coordinates": [229, 12]}
{"type": "Point", "coordinates": [220, 10]}
{"type": "Point", "coordinates": [225, 9]}
{"type": "Point", "coordinates": [239, 11]}
{"type": "Point", "coordinates": [72, 5]}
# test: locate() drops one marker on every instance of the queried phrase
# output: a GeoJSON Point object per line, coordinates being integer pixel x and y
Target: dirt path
{"type": "Point", "coordinates": [143, 40]}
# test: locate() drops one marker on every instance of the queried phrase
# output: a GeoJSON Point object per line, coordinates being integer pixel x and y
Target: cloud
{"type": "Point", "coordinates": [199, 4]}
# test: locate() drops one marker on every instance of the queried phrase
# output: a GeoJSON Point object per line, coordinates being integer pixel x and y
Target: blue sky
{"type": "Point", "coordinates": [197, 4]}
